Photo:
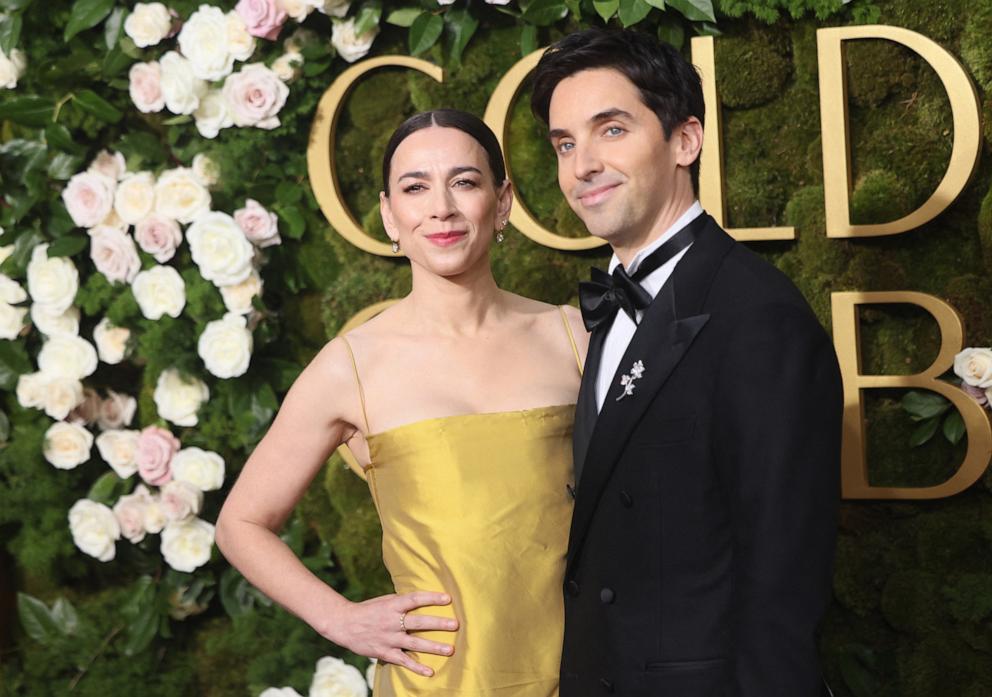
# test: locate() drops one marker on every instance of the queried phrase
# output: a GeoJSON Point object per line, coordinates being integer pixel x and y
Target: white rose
{"type": "Point", "coordinates": [116, 410]}
{"type": "Point", "coordinates": [130, 513]}
{"type": "Point", "coordinates": [159, 291]}
{"type": "Point", "coordinates": [288, 66]}
{"type": "Point", "coordinates": [179, 195]}
{"type": "Point", "coordinates": [114, 221]}
{"type": "Point", "coordinates": [67, 356]}
{"type": "Point", "coordinates": [201, 468]}
{"type": "Point", "coordinates": [12, 68]}
{"type": "Point", "coordinates": [237, 298]}
{"type": "Point", "coordinates": [135, 197]}
{"type": "Point", "coordinates": [54, 323]}
{"type": "Point", "coordinates": [186, 545]}
{"type": "Point", "coordinates": [67, 445]}
{"type": "Point", "coordinates": [334, 8]}
{"type": "Point", "coordinates": [180, 500]}
{"type": "Point", "coordinates": [280, 692]}
{"type": "Point", "coordinates": [181, 89]}
{"type": "Point", "coordinates": [114, 254]}
{"type": "Point", "coordinates": [31, 389]}
{"type": "Point", "coordinates": [94, 529]}
{"type": "Point", "coordinates": [148, 23]}
{"type": "Point", "coordinates": [52, 282]}
{"type": "Point", "coordinates": [348, 45]}
{"type": "Point", "coordinates": [298, 9]}
{"type": "Point", "coordinates": [219, 249]}
{"type": "Point", "coordinates": [111, 341]}
{"type": "Point", "coordinates": [61, 396]}
{"type": "Point", "coordinates": [205, 170]}
{"type": "Point", "coordinates": [89, 197]}
{"type": "Point", "coordinates": [158, 236]}
{"type": "Point", "coordinates": [974, 366]}
{"type": "Point", "coordinates": [255, 96]}
{"type": "Point", "coordinates": [154, 516]}
{"type": "Point", "coordinates": [11, 320]}
{"type": "Point", "coordinates": [204, 41]}
{"type": "Point", "coordinates": [240, 42]}
{"type": "Point", "coordinates": [145, 87]}
{"type": "Point", "coordinates": [177, 400]}
{"type": "Point", "coordinates": [213, 114]}
{"type": "Point", "coordinates": [11, 291]}
{"type": "Point", "coordinates": [370, 672]}
{"type": "Point", "coordinates": [109, 164]}
{"type": "Point", "coordinates": [6, 250]}
{"type": "Point", "coordinates": [335, 678]}
{"type": "Point", "coordinates": [225, 346]}
{"type": "Point", "coordinates": [119, 449]}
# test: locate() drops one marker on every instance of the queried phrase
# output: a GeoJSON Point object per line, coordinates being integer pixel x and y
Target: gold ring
{"type": "Point", "coordinates": [403, 621]}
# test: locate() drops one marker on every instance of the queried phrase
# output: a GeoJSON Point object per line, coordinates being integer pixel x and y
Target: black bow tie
{"type": "Point", "coordinates": [604, 294]}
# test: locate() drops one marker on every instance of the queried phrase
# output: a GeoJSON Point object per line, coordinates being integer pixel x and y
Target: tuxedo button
{"type": "Point", "coordinates": [607, 596]}
{"type": "Point", "coordinates": [626, 499]}
{"type": "Point", "coordinates": [607, 685]}
{"type": "Point", "coordinates": [572, 587]}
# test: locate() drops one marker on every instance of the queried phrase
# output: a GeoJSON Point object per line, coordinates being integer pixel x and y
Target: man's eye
{"type": "Point", "coordinates": [565, 147]}
{"type": "Point", "coordinates": [614, 130]}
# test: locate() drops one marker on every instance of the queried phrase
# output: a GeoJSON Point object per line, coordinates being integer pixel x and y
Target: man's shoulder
{"type": "Point", "coordinates": [748, 280]}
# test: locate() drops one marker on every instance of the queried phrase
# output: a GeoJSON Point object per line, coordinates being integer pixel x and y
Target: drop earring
{"type": "Point", "coordinates": [396, 246]}
{"type": "Point", "coordinates": [499, 232]}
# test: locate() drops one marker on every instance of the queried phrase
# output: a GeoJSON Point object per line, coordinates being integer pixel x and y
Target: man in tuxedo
{"type": "Point", "coordinates": [707, 435]}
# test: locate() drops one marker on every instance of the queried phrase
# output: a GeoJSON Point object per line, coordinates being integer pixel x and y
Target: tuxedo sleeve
{"type": "Point", "coordinates": [779, 448]}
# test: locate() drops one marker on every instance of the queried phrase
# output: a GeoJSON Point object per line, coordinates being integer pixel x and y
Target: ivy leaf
{"type": "Point", "coordinates": [924, 405]}
{"type": "Point", "coordinates": [461, 26]}
{"type": "Point", "coordinates": [544, 13]}
{"type": "Point", "coordinates": [28, 111]}
{"type": "Point", "coordinates": [404, 16]}
{"type": "Point", "coordinates": [606, 8]}
{"type": "Point", "coordinates": [924, 432]}
{"type": "Point", "coordinates": [10, 32]}
{"type": "Point", "coordinates": [114, 27]}
{"type": "Point", "coordinates": [694, 10]}
{"type": "Point", "coordinates": [424, 32]}
{"type": "Point", "coordinates": [91, 102]}
{"type": "Point", "coordinates": [633, 11]}
{"type": "Point", "coordinates": [86, 14]}
{"type": "Point", "coordinates": [37, 620]}
{"type": "Point", "coordinates": [954, 428]}
{"type": "Point", "coordinates": [528, 39]}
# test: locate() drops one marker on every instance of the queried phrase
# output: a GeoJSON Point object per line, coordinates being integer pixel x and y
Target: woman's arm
{"type": "Point", "coordinates": [315, 418]}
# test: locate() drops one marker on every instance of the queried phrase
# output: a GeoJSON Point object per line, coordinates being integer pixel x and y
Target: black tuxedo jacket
{"type": "Point", "coordinates": [699, 559]}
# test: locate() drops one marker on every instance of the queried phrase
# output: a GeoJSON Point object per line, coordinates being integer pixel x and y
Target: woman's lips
{"type": "Point", "coordinates": [445, 239]}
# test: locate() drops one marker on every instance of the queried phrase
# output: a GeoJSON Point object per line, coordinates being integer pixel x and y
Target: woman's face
{"type": "Point", "coordinates": [443, 204]}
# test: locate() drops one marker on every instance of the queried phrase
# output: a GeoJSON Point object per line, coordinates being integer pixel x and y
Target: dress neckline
{"type": "Point", "coordinates": [472, 415]}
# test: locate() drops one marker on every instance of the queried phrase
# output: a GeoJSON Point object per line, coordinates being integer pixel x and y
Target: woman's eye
{"type": "Point", "coordinates": [413, 188]}
{"type": "Point", "coordinates": [465, 183]}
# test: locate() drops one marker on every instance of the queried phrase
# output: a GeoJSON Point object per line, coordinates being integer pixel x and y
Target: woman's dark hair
{"type": "Point", "coordinates": [668, 83]}
{"type": "Point", "coordinates": [447, 118]}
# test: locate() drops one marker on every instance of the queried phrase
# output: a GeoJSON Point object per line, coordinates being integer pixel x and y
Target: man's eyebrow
{"type": "Point", "coordinates": [454, 171]}
{"type": "Point", "coordinates": [604, 115]}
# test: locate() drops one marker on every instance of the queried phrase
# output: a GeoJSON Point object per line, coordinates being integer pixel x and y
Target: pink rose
{"type": "Point", "coordinates": [259, 225]}
{"type": "Point", "coordinates": [89, 198]}
{"type": "Point", "coordinates": [976, 393]}
{"type": "Point", "coordinates": [156, 446]}
{"type": "Point", "coordinates": [158, 236]}
{"type": "Point", "coordinates": [180, 500]}
{"type": "Point", "coordinates": [110, 164]}
{"type": "Point", "coordinates": [146, 87]}
{"type": "Point", "coordinates": [130, 513]}
{"type": "Point", "coordinates": [116, 411]}
{"type": "Point", "coordinates": [255, 95]}
{"type": "Point", "coordinates": [263, 18]}
{"type": "Point", "coordinates": [114, 254]}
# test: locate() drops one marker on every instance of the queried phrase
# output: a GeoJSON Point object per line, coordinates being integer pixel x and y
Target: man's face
{"type": "Point", "coordinates": [615, 167]}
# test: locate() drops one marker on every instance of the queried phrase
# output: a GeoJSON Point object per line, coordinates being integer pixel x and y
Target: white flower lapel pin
{"type": "Point", "coordinates": [627, 381]}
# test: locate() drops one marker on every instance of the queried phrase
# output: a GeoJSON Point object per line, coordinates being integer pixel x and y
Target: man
{"type": "Point", "coordinates": [707, 435]}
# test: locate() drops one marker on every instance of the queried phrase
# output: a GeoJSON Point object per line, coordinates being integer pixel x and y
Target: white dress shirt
{"type": "Point", "coordinates": [622, 329]}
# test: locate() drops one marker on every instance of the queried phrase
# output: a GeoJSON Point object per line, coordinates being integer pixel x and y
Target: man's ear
{"type": "Point", "coordinates": [690, 141]}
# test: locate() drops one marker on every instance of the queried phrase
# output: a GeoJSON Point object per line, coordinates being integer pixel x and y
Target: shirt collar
{"type": "Point", "coordinates": [694, 211]}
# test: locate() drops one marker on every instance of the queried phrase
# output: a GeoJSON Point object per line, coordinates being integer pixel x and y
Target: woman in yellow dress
{"type": "Point", "coordinates": [458, 401]}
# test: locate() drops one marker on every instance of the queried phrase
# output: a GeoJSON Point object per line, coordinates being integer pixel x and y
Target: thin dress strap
{"type": "Point", "coordinates": [358, 381]}
{"type": "Point", "coordinates": [571, 338]}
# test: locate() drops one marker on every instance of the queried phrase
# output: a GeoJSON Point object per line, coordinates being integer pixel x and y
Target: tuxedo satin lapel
{"type": "Point", "coordinates": [585, 408]}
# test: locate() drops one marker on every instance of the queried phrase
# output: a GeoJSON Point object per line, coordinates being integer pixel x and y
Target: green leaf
{"type": "Point", "coordinates": [671, 32]}
{"type": "Point", "coordinates": [954, 428]}
{"type": "Point", "coordinates": [404, 16]}
{"type": "Point", "coordinates": [544, 13]}
{"type": "Point", "coordinates": [63, 166]}
{"type": "Point", "coordinates": [10, 32]}
{"type": "Point", "coordinates": [68, 246]}
{"type": "Point", "coordinates": [461, 26]}
{"type": "Point", "coordinates": [142, 146]}
{"type": "Point", "coordinates": [279, 373]}
{"type": "Point", "coordinates": [14, 5]}
{"type": "Point", "coordinates": [28, 111]}
{"type": "Point", "coordinates": [659, 4]}
{"type": "Point", "coordinates": [924, 432]}
{"type": "Point", "coordinates": [115, 63]}
{"type": "Point", "coordinates": [424, 32]}
{"type": "Point", "coordinates": [633, 11]}
{"type": "Point", "coordinates": [177, 120]}
{"type": "Point", "coordinates": [23, 249]}
{"type": "Point", "coordinates": [114, 27]}
{"type": "Point", "coordinates": [14, 362]}
{"type": "Point", "coordinates": [58, 136]}
{"type": "Point", "coordinates": [288, 193]}
{"type": "Point", "coordinates": [144, 616]}
{"type": "Point", "coordinates": [924, 405]}
{"type": "Point", "coordinates": [368, 17]}
{"type": "Point", "coordinates": [606, 8]}
{"type": "Point", "coordinates": [91, 102]}
{"type": "Point", "coordinates": [694, 10]}
{"type": "Point", "coordinates": [37, 620]}
{"type": "Point", "coordinates": [65, 616]}
{"type": "Point", "coordinates": [4, 427]}
{"type": "Point", "coordinates": [528, 39]}
{"type": "Point", "coordinates": [104, 489]}
{"type": "Point", "coordinates": [86, 14]}
{"type": "Point", "coordinates": [574, 7]}
{"type": "Point", "coordinates": [292, 216]}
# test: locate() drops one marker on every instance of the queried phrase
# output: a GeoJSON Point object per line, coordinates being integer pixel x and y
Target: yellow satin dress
{"type": "Point", "coordinates": [477, 506]}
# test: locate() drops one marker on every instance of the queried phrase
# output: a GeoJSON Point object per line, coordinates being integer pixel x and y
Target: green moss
{"type": "Point", "coordinates": [877, 69]}
{"type": "Point", "coordinates": [880, 196]}
{"type": "Point", "coordinates": [752, 68]}
{"type": "Point", "coordinates": [985, 228]}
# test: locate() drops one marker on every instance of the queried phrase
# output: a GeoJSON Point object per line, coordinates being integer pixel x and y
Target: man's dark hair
{"type": "Point", "coordinates": [447, 118]}
{"type": "Point", "coordinates": [668, 83]}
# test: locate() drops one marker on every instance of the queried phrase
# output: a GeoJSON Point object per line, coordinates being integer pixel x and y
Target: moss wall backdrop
{"type": "Point", "coordinates": [912, 608]}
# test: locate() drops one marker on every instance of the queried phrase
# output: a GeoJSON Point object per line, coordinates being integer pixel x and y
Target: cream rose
{"type": "Point", "coordinates": [114, 254]}
{"type": "Point", "coordinates": [11, 291]}
{"type": "Point", "coordinates": [181, 89]}
{"type": "Point", "coordinates": [237, 298]}
{"type": "Point", "coordinates": [334, 8]}
{"type": "Point", "coordinates": [279, 692]}
{"type": "Point", "coordinates": [299, 10]}
{"type": "Point", "coordinates": [89, 198]}
{"type": "Point", "coordinates": [116, 410]}
{"type": "Point", "coordinates": [260, 226]}
{"type": "Point", "coordinates": [288, 66]}
{"type": "Point", "coordinates": [148, 23]}
{"type": "Point", "coordinates": [205, 170]}
{"type": "Point", "coordinates": [67, 445]}
{"type": "Point", "coordinates": [109, 164]}
{"type": "Point", "coordinates": [158, 236]}
{"type": "Point", "coordinates": [220, 249]}
{"type": "Point", "coordinates": [135, 197]}
{"type": "Point", "coordinates": [255, 96]}
{"type": "Point", "coordinates": [6, 250]}
{"type": "Point", "coordinates": [119, 449]}
{"type": "Point", "coordinates": [156, 446]}
{"type": "Point", "coordinates": [30, 390]}
{"type": "Point", "coordinates": [12, 68]}
{"type": "Point", "coordinates": [61, 396]}
{"type": "Point", "coordinates": [974, 366]}
{"type": "Point", "coordinates": [213, 115]}
{"type": "Point", "coordinates": [370, 673]}
{"type": "Point", "coordinates": [180, 500]}
{"type": "Point", "coordinates": [159, 291]}
{"type": "Point", "coordinates": [201, 468]}
{"type": "Point", "coordinates": [145, 87]}
{"type": "Point", "coordinates": [154, 516]}
{"type": "Point", "coordinates": [179, 195]}
{"type": "Point", "coordinates": [204, 41]}
{"type": "Point", "coordinates": [130, 513]}
{"type": "Point", "coordinates": [186, 545]}
{"type": "Point", "coordinates": [225, 346]}
{"type": "Point", "coordinates": [68, 356]}
{"type": "Point", "coordinates": [111, 341]}
{"type": "Point", "coordinates": [335, 678]}
{"type": "Point", "coordinates": [54, 323]}
{"type": "Point", "coordinates": [178, 399]}
{"type": "Point", "coordinates": [94, 529]}
{"type": "Point", "coordinates": [11, 320]}
{"type": "Point", "coordinates": [52, 282]}
{"type": "Point", "coordinates": [348, 45]}
{"type": "Point", "coordinates": [240, 42]}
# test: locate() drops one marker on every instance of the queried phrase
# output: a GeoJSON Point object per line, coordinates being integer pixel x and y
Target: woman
{"type": "Point", "coordinates": [458, 401]}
